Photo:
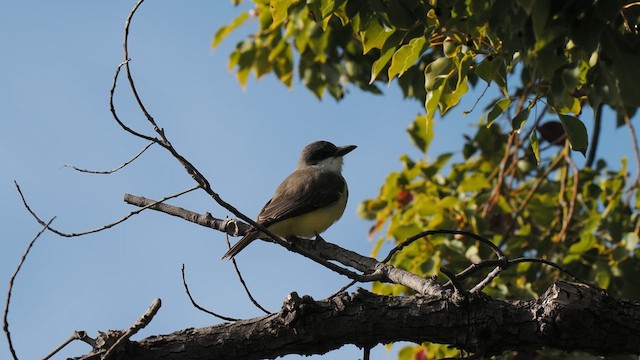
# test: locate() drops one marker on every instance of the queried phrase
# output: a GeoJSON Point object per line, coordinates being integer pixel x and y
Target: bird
{"type": "Point", "coordinates": [308, 201]}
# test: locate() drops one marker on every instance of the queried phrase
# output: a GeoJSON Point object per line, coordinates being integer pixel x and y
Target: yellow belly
{"type": "Point", "coordinates": [310, 224]}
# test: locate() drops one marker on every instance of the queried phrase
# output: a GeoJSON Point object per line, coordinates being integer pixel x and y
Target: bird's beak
{"type": "Point", "coordinates": [344, 150]}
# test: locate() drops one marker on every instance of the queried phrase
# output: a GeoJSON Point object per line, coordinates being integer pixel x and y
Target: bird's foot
{"type": "Point", "coordinates": [319, 238]}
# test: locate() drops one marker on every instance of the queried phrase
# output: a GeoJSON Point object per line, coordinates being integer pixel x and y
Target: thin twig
{"type": "Point", "coordinates": [420, 235]}
{"type": "Point", "coordinates": [77, 335]}
{"type": "Point", "coordinates": [527, 198]}
{"type": "Point", "coordinates": [166, 144]}
{"type": "Point", "coordinates": [106, 172]}
{"type": "Point", "coordinates": [112, 108]}
{"type": "Point", "coordinates": [142, 322]}
{"type": "Point", "coordinates": [125, 46]}
{"type": "Point", "coordinates": [104, 227]}
{"type": "Point", "coordinates": [554, 265]}
{"type": "Point", "coordinates": [568, 213]}
{"type": "Point", "coordinates": [13, 277]}
{"type": "Point", "coordinates": [244, 285]}
{"type": "Point", "coordinates": [454, 281]}
{"type": "Point", "coordinates": [195, 304]}
{"type": "Point", "coordinates": [487, 280]}
{"type": "Point", "coordinates": [636, 151]}
{"type": "Point", "coordinates": [342, 289]}
{"type": "Point", "coordinates": [467, 112]}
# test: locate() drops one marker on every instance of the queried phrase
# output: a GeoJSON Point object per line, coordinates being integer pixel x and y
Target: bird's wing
{"type": "Point", "coordinates": [310, 191]}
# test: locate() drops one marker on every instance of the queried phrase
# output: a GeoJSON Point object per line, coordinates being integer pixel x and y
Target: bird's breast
{"type": "Point", "coordinates": [311, 223]}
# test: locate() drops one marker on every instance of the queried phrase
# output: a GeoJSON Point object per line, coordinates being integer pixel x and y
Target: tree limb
{"type": "Point", "coordinates": [567, 316]}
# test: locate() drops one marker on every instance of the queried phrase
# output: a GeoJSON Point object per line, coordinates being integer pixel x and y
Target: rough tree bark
{"type": "Point", "coordinates": [567, 316]}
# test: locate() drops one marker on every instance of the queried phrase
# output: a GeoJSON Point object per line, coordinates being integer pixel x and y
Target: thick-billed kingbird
{"type": "Point", "coordinates": [309, 200]}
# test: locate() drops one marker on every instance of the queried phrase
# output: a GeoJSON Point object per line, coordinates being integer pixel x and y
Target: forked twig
{"type": "Point", "coordinates": [142, 322]}
{"type": "Point", "coordinates": [104, 227]}
{"type": "Point", "coordinates": [13, 277]}
{"type": "Point", "coordinates": [77, 335]}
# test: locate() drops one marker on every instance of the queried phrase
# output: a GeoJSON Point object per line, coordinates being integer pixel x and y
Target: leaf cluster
{"type": "Point", "coordinates": [525, 193]}
{"type": "Point", "coordinates": [567, 53]}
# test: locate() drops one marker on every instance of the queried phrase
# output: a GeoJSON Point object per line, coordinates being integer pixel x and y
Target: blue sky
{"type": "Point", "coordinates": [58, 62]}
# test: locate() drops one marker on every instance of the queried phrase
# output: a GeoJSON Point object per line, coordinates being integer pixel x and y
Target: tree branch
{"type": "Point", "coordinates": [564, 317]}
{"type": "Point", "coordinates": [321, 252]}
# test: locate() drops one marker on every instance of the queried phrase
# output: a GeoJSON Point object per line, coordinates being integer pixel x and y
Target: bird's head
{"type": "Point", "coordinates": [325, 155]}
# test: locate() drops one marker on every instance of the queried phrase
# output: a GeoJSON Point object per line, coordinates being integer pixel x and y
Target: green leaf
{"type": "Point", "coordinates": [625, 61]}
{"type": "Point", "coordinates": [436, 69]}
{"type": "Point", "coordinates": [406, 56]}
{"type": "Point", "coordinates": [576, 133]}
{"type": "Point", "coordinates": [374, 36]}
{"type": "Point", "coordinates": [226, 30]}
{"type": "Point", "coordinates": [539, 17]}
{"type": "Point", "coordinates": [535, 146]}
{"type": "Point", "coordinates": [487, 69]}
{"type": "Point", "coordinates": [279, 11]}
{"type": "Point", "coordinates": [449, 100]}
{"type": "Point", "coordinates": [327, 7]}
{"type": "Point", "coordinates": [421, 132]}
{"type": "Point", "coordinates": [498, 108]}
{"type": "Point", "coordinates": [474, 183]}
{"type": "Point", "coordinates": [433, 97]}
{"type": "Point", "coordinates": [520, 119]}
{"type": "Point", "coordinates": [386, 52]}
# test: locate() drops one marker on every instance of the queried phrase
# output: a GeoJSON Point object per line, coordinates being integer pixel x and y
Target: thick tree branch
{"type": "Point", "coordinates": [567, 316]}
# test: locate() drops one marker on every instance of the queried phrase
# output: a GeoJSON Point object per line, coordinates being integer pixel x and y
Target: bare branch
{"type": "Point", "coordinates": [195, 304]}
{"type": "Point", "coordinates": [77, 335]}
{"type": "Point", "coordinates": [105, 172]}
{"type": "Point", "coordinates": [229, 226]}
{"type": "Point", "coordinates": [142, 322]}
{"type": "Point", "coordinates": [244, 285]}
{"type": "Point", "coordinates": [636, 152]}
{"type": "Point", "coordinates": [13, 277]}
{"type": "Point", "coordinates": [561, 268]}
{"type": "Point", "coordinates": [426, 233]}
{"type": "Point", "coordinates": [125, 46]}
{"type": "Point", "coordinates": [323, 252]}
{"type": "Point", "coordinates": [135, 212]}
{"type": "Point", "coordinates": [166, 144]}
{"type": "Point", "coordinates": [487, 280]}
{"type": "Point", "coordinates": [115, 114]}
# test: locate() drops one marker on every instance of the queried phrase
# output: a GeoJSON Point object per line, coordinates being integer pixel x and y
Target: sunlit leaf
{"type": "Point", "coordinates": [226, 30]}
{"type": "Point", "coordinates": [520, 119]}
{"type": "Point", "coordinates": [406, 56]}
{"type": "Point", "coordinates": [535, 147]}
{"type": "Point", "coordinates": [421, 132]}
{"type": "Point", "coordinates": [374, 36]}
{"type": "Point", "coordinates": [279, 10]}
{"type": "Point", "coordinates": [498, 108]}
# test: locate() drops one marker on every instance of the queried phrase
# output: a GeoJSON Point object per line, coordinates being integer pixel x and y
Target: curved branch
{"type": "Point", "coordinates": [5, 326]}
{"type": "Point", "coordinates": [197, 306]}
{"type": "Point", "coordinates": [104, 227]}
{"type": "Point", "coordinates": [106, 172]}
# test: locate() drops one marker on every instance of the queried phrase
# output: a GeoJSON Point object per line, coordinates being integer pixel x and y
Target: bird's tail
{"type": "Point", "coordinates": [246, 240]}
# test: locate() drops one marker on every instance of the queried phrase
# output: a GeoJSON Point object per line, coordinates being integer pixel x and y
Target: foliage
{"type": "Point", "coordinates": [516, 181]}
